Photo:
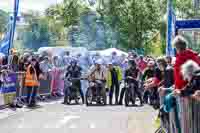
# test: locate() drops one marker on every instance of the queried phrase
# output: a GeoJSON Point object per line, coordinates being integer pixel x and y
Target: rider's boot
{"type": "Point", "coordinates": [121, 96]}
{"type": "Point", "coordinates": [116, 102]}
{"type": "Point", "coordinates": [83, 100]}
{"type": "Point", "coordinates": [82, 96]}
{"type": "Point", "coordinates": [120, 102]}
{"type": "Point", "coordinates": [65, 100]}
{"type": "Point", "coordinates": [110, 100]}
{"type": "Point", "coordinates": [141, 100]}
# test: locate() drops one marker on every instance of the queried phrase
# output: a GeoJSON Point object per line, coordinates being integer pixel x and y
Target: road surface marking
{"type": "Point", "coordinates": [92, 125]}
{"type": "Point", "coordinates": [65, 120]}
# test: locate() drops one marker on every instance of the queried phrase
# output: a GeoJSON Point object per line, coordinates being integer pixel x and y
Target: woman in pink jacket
{"type": "Point", "coordinates": [57, 83]}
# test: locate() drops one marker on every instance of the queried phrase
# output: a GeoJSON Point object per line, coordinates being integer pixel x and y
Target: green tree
{"type": "Point", "coordinates": [136, 21]}
{"type": "Point", "coordinates": [37, 33]}
{"type": "Point", "coordinates": [67, 12]}
{"type": "Point", "coordinates": [4, 18]}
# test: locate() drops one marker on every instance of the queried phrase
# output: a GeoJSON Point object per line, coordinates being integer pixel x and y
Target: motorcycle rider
{"type": "Point", "coordinates": [134, 73]}
{"type": "Point", "coordinates": [149, 73]}
{"type": "Point", "coordinates": [97, 75]}
{"type": "Point", "coordinates": [74, 71]}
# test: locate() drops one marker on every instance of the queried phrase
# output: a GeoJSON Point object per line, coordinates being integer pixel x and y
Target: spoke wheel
{"type": "Point", "coordinates": [89, 97]}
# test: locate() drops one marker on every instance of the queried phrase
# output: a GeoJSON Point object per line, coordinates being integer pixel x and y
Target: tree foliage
{"type": "Point", "coordinates": [4, 18]}
{"type": "Point", "coordinates": [133, 22]}
{"type": "Point", "coordinates": [67, 12]}
{"type": "Point", "coordinates": [37, 33]}
{"type": "Point", "coordinates": [136, 21]}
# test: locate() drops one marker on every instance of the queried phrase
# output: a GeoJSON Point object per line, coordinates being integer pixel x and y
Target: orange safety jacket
{"type": "Point", "coordinates": [31, 79]}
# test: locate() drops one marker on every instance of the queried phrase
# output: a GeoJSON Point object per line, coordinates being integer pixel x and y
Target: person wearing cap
{"type": "Point", "coordinates": [97, 72]}
{"type": "Point", "coordinates": [31, 83]}
{"type": "Point", "coordinates": [114, 76]}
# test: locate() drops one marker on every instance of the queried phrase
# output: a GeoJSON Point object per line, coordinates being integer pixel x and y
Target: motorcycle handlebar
{"type": "Point", "coordinates": [76, 78]}
{"type": "Point", "coordinates": [85, 79]}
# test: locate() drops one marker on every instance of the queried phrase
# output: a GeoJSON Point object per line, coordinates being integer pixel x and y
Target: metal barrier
{"type": "Point", "coordinates": [43, 90]}
{"type": "Point", "coordinates": [174, 121]}
{"type": "Point", "coordinates": [12, 87]}
{"type": "Point", "coordinates": [45, 85]}
{"type": "Point", "coordinates": [189, 115]}
{"type": "Point", "coordinates": [185, 118]}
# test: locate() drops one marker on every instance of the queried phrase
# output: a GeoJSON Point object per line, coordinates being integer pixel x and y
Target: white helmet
{"type": "Point", "coordinates": [99, 62]}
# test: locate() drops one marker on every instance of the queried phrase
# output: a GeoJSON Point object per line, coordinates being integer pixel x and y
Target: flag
{"type": "Point", "coordinates": [4, 44]}
{"type": "Point", "coordinates": [7, 42]}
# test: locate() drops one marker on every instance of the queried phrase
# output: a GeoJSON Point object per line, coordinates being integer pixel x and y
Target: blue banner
{"type": "Point", "coordinates": [187, 24]}
{"type": "Point", "coordinates": [9, 84]}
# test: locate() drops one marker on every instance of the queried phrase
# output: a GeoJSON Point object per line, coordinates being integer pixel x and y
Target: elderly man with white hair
{"type": "Point", "coordinates": [191, 73]}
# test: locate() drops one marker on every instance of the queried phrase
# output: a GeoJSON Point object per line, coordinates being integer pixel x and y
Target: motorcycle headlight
{"type": "Point", "coordinates": [92, 84]}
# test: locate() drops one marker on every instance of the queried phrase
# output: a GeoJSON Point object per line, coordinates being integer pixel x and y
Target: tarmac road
{"type": "Point", "coordinates": [57, 118]}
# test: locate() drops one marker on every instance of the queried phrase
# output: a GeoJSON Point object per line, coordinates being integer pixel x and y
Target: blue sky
{"type": "Point", "coordinates": [26, 5]}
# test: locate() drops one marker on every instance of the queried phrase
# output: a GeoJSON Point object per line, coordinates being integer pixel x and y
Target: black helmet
{"type": "Point", "coordinates": [34, 59]}
{"type": "Point", "coordinates": [132, 62]}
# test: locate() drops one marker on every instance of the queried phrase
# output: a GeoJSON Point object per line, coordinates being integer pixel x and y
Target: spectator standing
{"type": "Point", "coordinates": [15, 63]}
{"type": "Point", "coordinates": [31, 83]}
{"type": "Point", "coordinates": [169, 60]}
{"type": "Point", "coordinates": [191, 73]}
{"type": "Point", "coordinates": [142, 64]}
{"type": "Point", "coordinates": [183, 55]}
{"type": "Point", "coordinates": [114, 77]}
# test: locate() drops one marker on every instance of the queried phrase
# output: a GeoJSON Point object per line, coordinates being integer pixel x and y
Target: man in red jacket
{"type": "Point", "coordinates": [183, 55]}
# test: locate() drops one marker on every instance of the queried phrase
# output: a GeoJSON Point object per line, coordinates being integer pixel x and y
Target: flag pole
{"type": "Point", "coordinates": [169, 28]}
{"type": "Point", "coordinates": [13, 25]}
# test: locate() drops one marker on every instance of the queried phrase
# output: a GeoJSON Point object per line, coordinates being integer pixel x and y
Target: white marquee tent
{"type": "Point", "coordinates": [108, 52]}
